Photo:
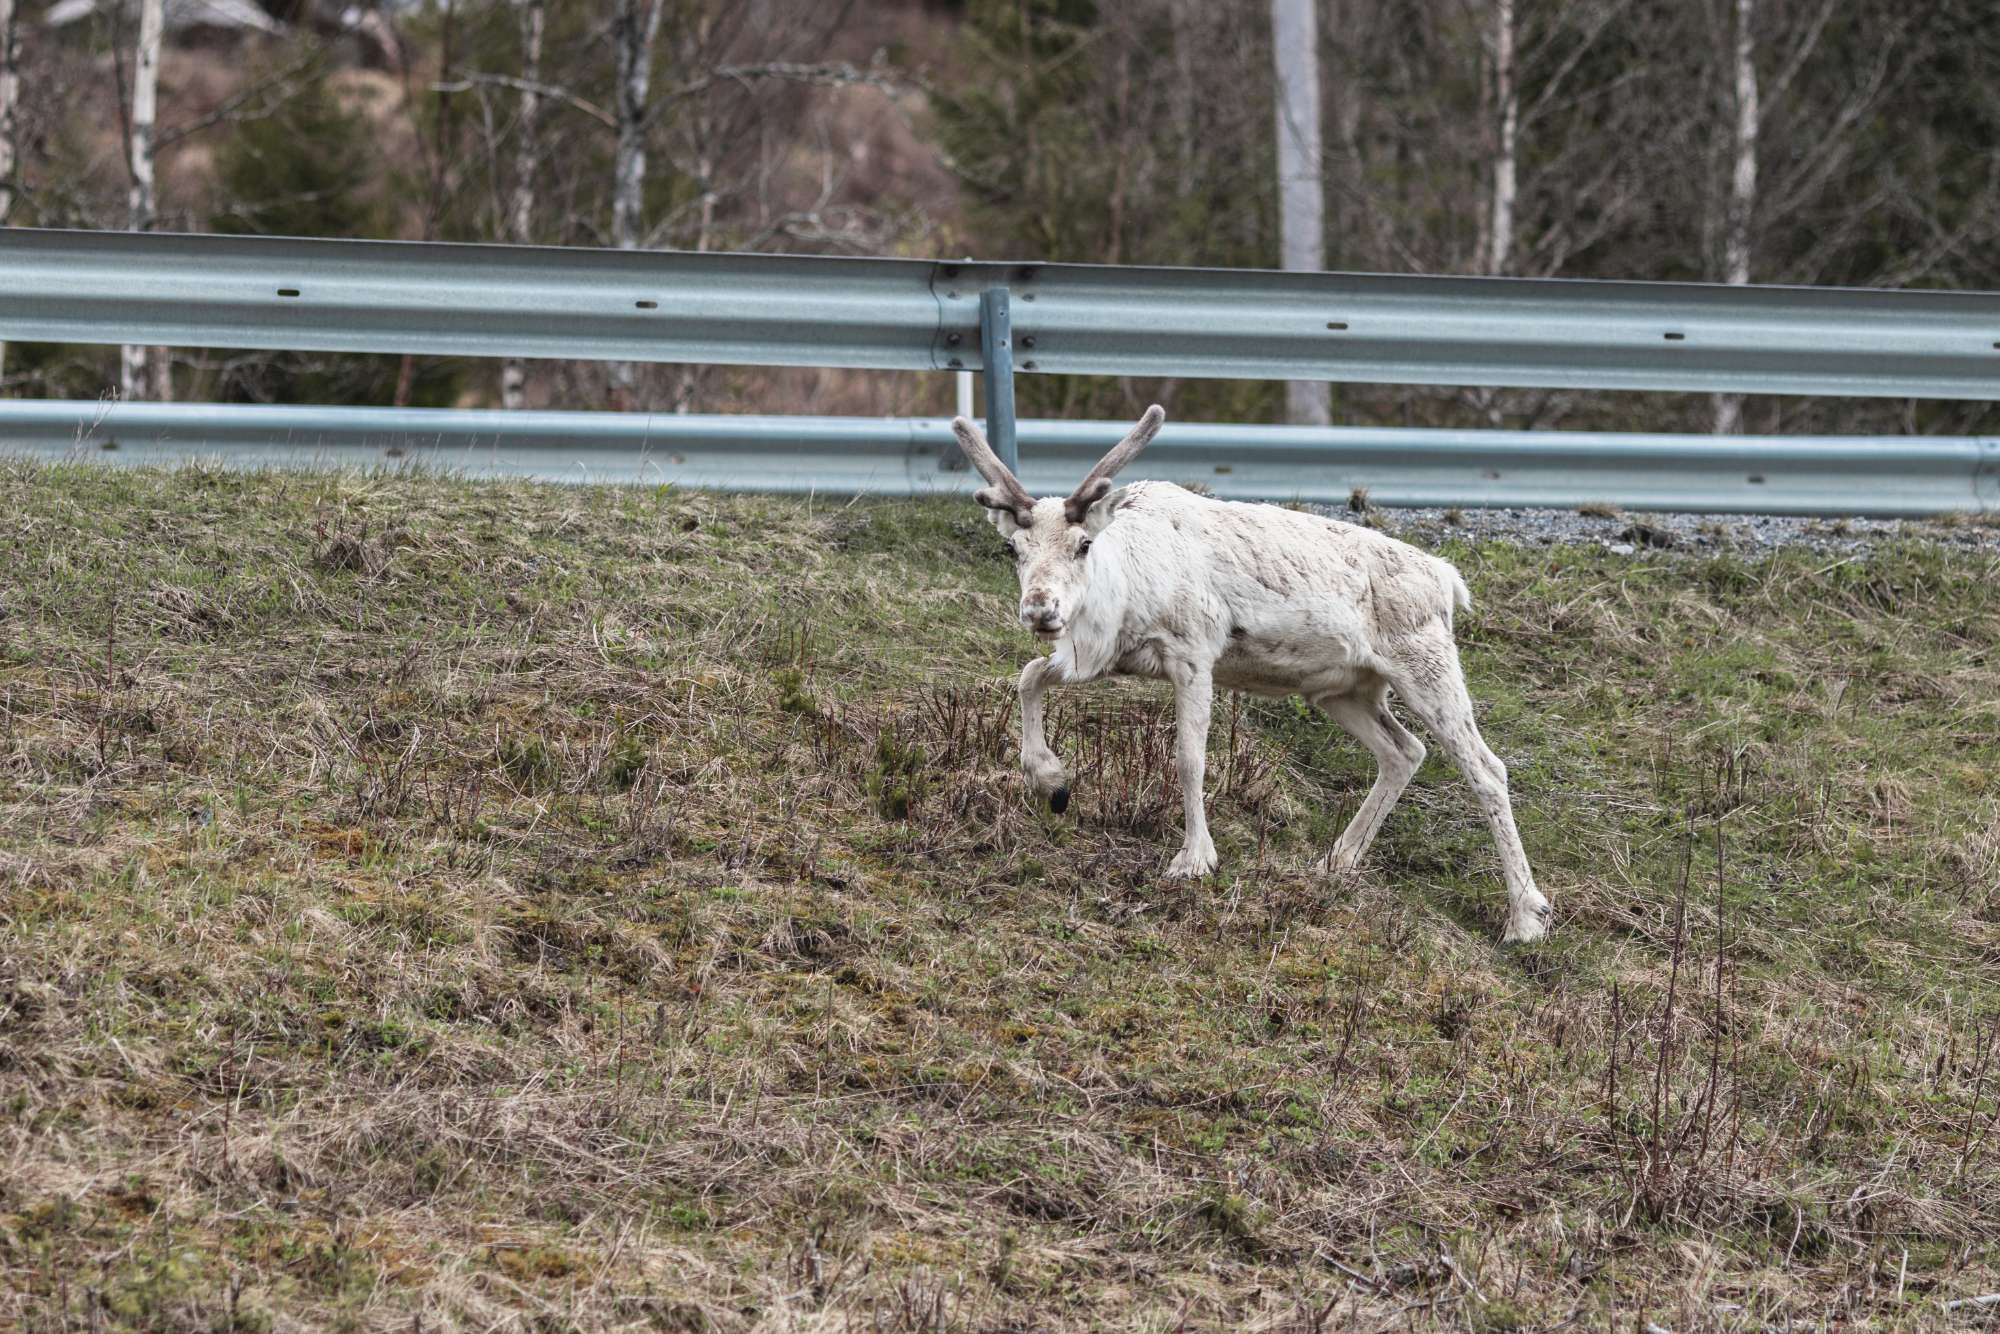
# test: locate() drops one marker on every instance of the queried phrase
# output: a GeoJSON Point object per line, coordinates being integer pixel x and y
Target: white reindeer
{"type": "Point", "coordinates": [1153, 580]}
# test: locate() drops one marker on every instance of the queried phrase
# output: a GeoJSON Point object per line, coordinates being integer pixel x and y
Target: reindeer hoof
{"type": "Point", "coordinates": [1059, 800]}
{"type": "Point", "coordinates": [1530, 925]}
{"type": "Point", "coordinates": [1337, 863]}
{"type": "Point", "coordinates": [1192, 863]}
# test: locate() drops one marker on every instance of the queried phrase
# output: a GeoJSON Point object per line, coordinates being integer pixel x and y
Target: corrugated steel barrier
{"type": "Point", "coordinates": [914, 456]}
{"type": "Point", "coordinates": [893, 314]}
{"type": "Point", "coordinates": [896, 314]}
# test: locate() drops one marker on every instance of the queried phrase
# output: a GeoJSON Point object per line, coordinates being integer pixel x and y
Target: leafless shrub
{"type": "Point", "coordinates": [1675, 1136]}
{"type": "Point", "coordinates": [1977, 1129]}
{"type": "Point", "coordinates": [814, 1278]}
{"type": "Point", "coordinates": [915, 1306]}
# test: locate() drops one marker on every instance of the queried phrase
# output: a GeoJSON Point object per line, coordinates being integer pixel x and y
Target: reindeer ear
{"type": "Point", "coordinates": [1099, 516]}
{"type": "Point", "coordinates": [1080, 502]}
{"type": "Point", "coordinates": [1000, 510]}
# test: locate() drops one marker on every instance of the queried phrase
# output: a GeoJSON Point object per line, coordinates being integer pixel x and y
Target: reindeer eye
{"type": "Point", "coordinates": [1083, 547]}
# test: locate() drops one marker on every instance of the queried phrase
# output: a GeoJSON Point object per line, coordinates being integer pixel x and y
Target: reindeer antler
{"type": "Point", "coordinates": [1005, 491]}
{"type": "Point", "coordinates": [1097, 485]}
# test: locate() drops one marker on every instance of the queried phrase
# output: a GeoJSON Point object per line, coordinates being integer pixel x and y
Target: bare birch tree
{"type": "Point", "coordinates": [1301, 191]}
{"type": "Point", "coordinates": [10, 96]}
{"type": "Point", "coordinates": [1742, 188]}
{"type": "Point", "coordinates": [140, 365]}
{"type": "Point", "coordinates": [521, 207]}
{"type": "Point", "coordinates": [1499, 247]}
{"type": "Point", "coordinates": [634, 30]}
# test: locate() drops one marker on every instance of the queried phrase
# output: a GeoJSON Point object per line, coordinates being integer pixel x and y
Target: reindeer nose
{"type": "Point", "coordinates": [1041, 613]}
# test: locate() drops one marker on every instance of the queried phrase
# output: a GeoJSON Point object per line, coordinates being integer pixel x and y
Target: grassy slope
{"type": "Point", "coordinates": [468, 901]}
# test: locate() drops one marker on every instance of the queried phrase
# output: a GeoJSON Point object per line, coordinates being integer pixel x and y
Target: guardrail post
{"type": "Point", "coordinates": [996, 348]}
{"type": "Point", "coordinates": [1986, 478]}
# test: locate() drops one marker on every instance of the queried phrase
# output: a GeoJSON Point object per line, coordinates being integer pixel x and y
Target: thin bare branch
{"type": "Point", "coordinates": [465, 82]}
{"type": "Point", "coordinates": [278, 82]}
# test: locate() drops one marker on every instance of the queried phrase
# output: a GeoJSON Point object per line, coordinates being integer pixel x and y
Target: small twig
{"type": "Point", "coordinates": [1452, 1266]}
{"type": "Point", "coordinates": [827, 74]}
{"type": "Point", "coordinates": [1427, 1304]}
{"type": "Point", "coordinates": [173, 134]}
{"type": "Point", "coordinates": [1374, 1285]}
{"type": "Point", "coordinates": [1425, 1142]}
{"type": "Point", "coordinates": [465, 83]}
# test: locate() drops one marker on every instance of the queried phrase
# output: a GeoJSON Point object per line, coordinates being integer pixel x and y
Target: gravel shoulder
{"type": "Point", "coordinates": [1677, 534]}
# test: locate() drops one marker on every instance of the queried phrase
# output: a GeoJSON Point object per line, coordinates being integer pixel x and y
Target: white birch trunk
{"type": "Point", "coordinates": [1742, 189]}
{"type": "Point", "coordinates": [521, 208]}
{"type": "Point", "coordinates": [1301, 192]}
{"type": "Point", "coordinates": [143, 368]}
{"type": "Point", "coordinates": [1500, 219]}
{"type": "Point", "coordinates": [10, 96]}
{"type": "Point", "coordinates": [632, 34]}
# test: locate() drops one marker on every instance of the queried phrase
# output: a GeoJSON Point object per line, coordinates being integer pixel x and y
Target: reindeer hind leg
{"type": "Point", "coordinates": [1425, 672]}
{"type": "Point", "coordinates": [1398, 755]}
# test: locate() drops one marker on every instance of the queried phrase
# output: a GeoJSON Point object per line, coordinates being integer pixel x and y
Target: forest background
{"type": "Point", "coordinates": [1818, 142]}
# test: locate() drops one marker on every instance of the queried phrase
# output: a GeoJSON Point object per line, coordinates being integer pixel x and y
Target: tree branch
{"type": "Point", "coordinates": [589, 108]}
{"type": "Point", "coordinates": [1555, 80]}
{"type": "Point", "coordinates": [230, 107]}
{"type": "Point", "coordinates": [831, 74]}
{"type": "Point", "coordinates": [1801, 53]}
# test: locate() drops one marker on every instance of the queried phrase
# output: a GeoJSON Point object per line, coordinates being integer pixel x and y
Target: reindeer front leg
{"type": "Point", "coordinates": [1038, 761]}
{"type": "Point", "coordinates": [1194, 692]}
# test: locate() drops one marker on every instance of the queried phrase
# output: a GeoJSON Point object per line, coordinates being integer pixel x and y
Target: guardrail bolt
{"type": "Point", "coordinates": [953, 340]}
{"type": "Point", "coordinates": [955, 364]}
{"type": "Point", "coordinates": [1028, 341]}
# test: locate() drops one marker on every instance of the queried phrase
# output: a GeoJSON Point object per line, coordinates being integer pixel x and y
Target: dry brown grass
{"type": "Point", "coordinates": [501, 906]}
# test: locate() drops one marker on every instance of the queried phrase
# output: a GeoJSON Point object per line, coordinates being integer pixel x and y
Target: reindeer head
{"type": "Point", "coordinates": [1050, 538]}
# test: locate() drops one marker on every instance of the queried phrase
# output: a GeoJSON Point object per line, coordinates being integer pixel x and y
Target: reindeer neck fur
{"type": "Point", "coordinates": [1136, 576]}
{"type": "Point", "coordinates": [1094, 639]}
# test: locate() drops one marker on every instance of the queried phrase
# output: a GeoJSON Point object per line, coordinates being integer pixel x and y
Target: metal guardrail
{"type": "Point", "coordinates": [845, 456]}
{"type": "Point", "coordinates": [489, 301]}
